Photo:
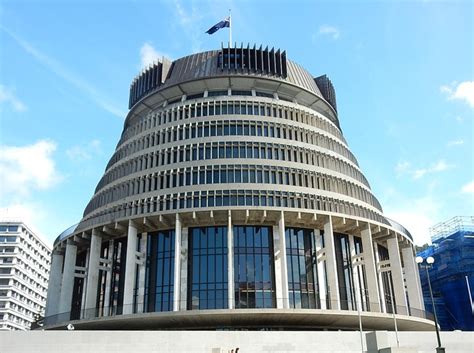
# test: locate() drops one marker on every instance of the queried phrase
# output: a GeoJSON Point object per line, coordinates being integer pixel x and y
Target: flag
{"type": "Point", "coordinates": [218, 26]}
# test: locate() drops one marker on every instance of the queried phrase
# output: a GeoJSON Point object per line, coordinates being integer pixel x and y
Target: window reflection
{"type": "Point", "coordinates": [159, 276]}
{"type": "Point", "coordinates": [302, 268]}
{"type": "Point", "coordinates": [344, 271]}
{"type": "Point", "coordinates": [254, 270]}
{"type": "Point", "coordinates": [207, 268]}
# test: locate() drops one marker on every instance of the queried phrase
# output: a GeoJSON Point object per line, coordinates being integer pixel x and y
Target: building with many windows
{"type": "Point", "coordinates": [233, 201]}
{"type": "Point", "coordinates": [24, 273]}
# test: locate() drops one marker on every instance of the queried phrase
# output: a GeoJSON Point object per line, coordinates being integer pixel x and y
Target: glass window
{"type": "Point", "coordinates": [302, 268]}
{"type": "Point", "coordinates": [159, 274]}
{"type": "Point", "coordinates": [344, 271]}
{"type": "Point", "coordinates": [207, 264]}
{"type": "Point", "coordinates": [253, 267]}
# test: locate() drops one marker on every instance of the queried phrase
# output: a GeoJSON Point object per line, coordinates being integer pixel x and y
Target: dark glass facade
{"type": "Point", "coordinates": [344, 271]}
{"type": "Point", "coordinates": [207, 268]}
{"type": "Point", "coordinates": [159, 276]}
{"type": "Point", "coordinates": [303, 288]}
{"type": "Point", "coordinates": [78, 287]}
{"type": "Point", "coordinates": [254, 269]}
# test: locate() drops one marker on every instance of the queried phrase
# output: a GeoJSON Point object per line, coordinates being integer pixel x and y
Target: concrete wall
{"type": "Point", "coordinates": [225, 341]}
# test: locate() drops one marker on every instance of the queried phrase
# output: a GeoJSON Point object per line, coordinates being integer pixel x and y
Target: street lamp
{"type": "Point", "coordinates": [429, 262]}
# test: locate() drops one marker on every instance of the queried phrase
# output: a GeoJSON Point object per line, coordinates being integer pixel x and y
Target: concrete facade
{"type": "Point", "coordinates": [245, 144]}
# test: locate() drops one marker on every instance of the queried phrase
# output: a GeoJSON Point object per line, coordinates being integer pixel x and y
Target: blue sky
{"type": "Point", "coordinates": [403, 73]}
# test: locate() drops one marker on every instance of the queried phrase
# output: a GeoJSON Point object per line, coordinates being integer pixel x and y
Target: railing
{"type": "Point", "coordinates": [66, 233]}
{"type": "Point", "coordinates": [400, 228]}
{"type": "Point", "coordinates": [324, 305]}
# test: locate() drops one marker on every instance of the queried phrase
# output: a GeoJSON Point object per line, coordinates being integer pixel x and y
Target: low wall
{"type": "Point", "coordinates": [226, 341]}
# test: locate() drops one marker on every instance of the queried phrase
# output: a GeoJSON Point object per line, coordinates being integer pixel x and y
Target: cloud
{"type": "Point", "coordinates": [60, 70]}
{"type": "Point", "coordinates": [405, 168]}
{"type": "Point", "coordinates": [455, 143]}
{"type": "Point", "coordinates": [27, 168]}
{"type": "Point", "coordinates": [189, 20]}
{"type": "Point", "coordinates": [437, 167]}
{"type": "Point", "coordinates": [468, 188]}
{"type": "Point", "coordinates": [417, 215]}
{"type": "Point", "coordinates": [7, 96]}
{"type": "Point", "coordinates": [402, 167]}
{"type": "Point", "coordinates": [149, 55]}
{"type": "Point", "coordinates": [463, 91]}
{"type": "Point", "coordinates": [417, 223]}
{"type": "Point", "coordinates": [330, 31]}
{"type": "Point", "coordinates": [32, 214]}
{"type": "Point", "coordinates": [85, 152]}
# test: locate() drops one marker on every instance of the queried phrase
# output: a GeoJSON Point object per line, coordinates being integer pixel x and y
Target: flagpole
{"type": "Point", "coordinates": [230, 28]}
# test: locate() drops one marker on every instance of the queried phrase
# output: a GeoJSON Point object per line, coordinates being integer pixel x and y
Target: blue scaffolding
{"type": "Point", "coordinates": [452, 274]}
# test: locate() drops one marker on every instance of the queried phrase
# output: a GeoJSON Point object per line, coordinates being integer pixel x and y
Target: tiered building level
{"type": "Point", "coordinates": [233, 201]}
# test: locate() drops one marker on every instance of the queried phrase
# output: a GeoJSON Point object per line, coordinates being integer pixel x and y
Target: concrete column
{"type": "Point", "coordinates": [355, 276]}
{"type": "Point", "coordinates": [108, 278]}
{"type": "Point", "coordinates": [420, 288]}
{"type": "Point", "coordinates": [321, 268]}
{"type": "Point", "coordinates": [84, 285]}
{"type": "Point", "coordinates": [130, 269]}
{"type": "Point", "coordinates": [177, 263]}
{"type": "Point", "coordinates": [93, 274]}
{"type": "Point", "coordinates": [415, 295]}
{"type": "Point", "coordinates": [54, 285]}
{"type": "Point", "coordinates": [331, 267]}
{"type": "Point", "coordinates": [230, 262]}
{"type": "Point", "coordinates": [281, 275]}
{"type": "Point", "coordinates": [141, 273]}
{"type": "Point", "coordinates": [383, 307]}
{"type": "Point", "coordinates": [67, 283]}
{"type": "Point", "coordinates": [370, 269]}
{"type": "Point", "coordinates": [397, 275]}
{"type": "Point", "coordinates": [184, 269]}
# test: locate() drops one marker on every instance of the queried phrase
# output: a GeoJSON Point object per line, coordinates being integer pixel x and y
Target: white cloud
{"type": "Point", "coordinates": [7, 96]}
{"type": "Point", "coordinates": [30, 213]}
{"type": "Point", "coordinates": [463, 91]}
{"type": "Point", "coordinates": [149, 55]}
{"type": "Point", "coordinates": [455, 143]}
{"type": "Point", "coordinates": [405, 168]}
{"type": "Point", "coordinates": [60, 70]}
{"type": "Point", "coordinates": [439, 166]}
{"type": "Point", "coordinates": [84, 152]}
{"type": "Point", "coordinates": [189, 20]}
{"type": "Point", "coordinates": [417, 215]}
{"type": "Point", "coordinates": [402, 167]}
{"type": "Point", "coordinates": [468, 188]}
{"type": "Point", "coordinates": [25, 168]}
{"type": "Point", "coordinates": [419, 173]}
{"type": "Point", "coordinates": [330, 31]}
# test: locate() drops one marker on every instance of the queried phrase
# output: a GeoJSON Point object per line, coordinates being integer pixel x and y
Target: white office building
{"type": "Point", "coordinates": [24, 273]}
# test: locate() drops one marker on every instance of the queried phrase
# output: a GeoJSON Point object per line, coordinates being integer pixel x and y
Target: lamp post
{"type": "Point", "coordinates": [429, 262]}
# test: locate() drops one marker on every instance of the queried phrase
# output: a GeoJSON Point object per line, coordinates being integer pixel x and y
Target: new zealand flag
{"type": "Point", "coordinates": [218, 26]}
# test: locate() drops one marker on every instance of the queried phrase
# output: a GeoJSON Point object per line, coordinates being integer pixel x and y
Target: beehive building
{"type": "Point", "coordinates": [233, 201]}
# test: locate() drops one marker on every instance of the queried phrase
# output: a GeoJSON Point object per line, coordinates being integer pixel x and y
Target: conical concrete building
{"type": "Point", "coordinates": [233, 201]}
